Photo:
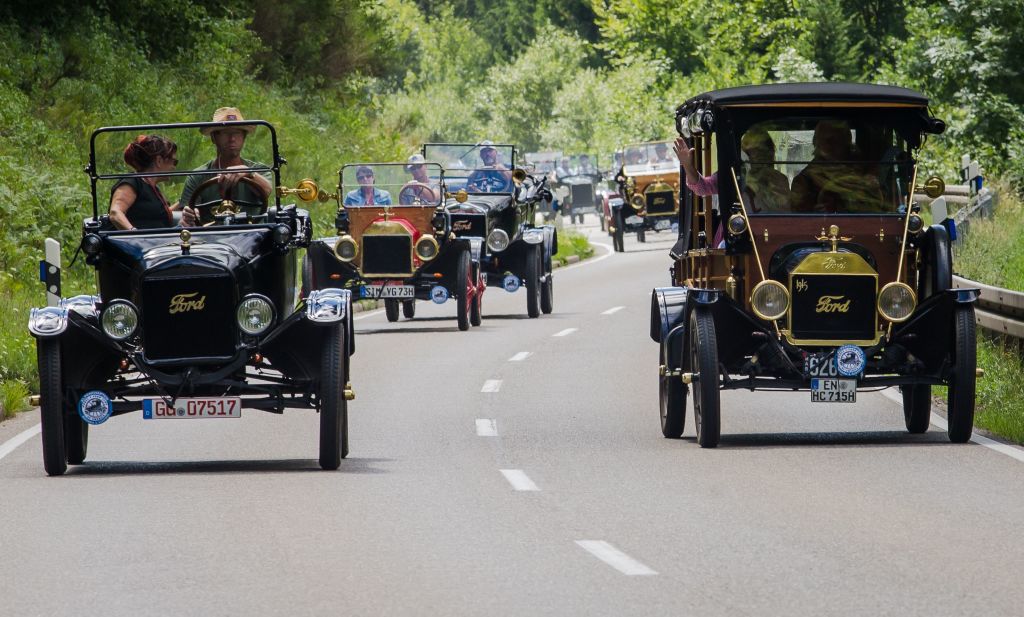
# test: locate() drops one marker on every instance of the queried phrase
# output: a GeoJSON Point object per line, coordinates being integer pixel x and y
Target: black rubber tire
{"type": "Point", "coordinates": [704, 365]}
{"type": "Point", "coordinates": [618, 236]}
{"type": "Point", "coordinates": [672, 394]}
{"type": "Point", "coordinates": [533, 281]}
{"type": "Point", "coordinates": [391, 309]}
{"type": "Point", "coordinates": [409, 309]}
{"type": "Point", "coordinates": [960, 403]}
{"type": "Point", "coordinates": [333, 406]}
{"type": "Point", "coordinates": [917, 407]}
{"type": "Point", "coordinates": [581, 219]}
{"type": "Point", "coordinates": [51, 406]}
{"type": "Point", "coordinates": [306, 279]}
{"type": "Point", "coordinates": [476, 308]}
{"type": "Point", "coordinates": [76, 438]}
{"type": "Point", "coordinates": [641, 236]}
{"type": "Point", "coordinates": [600, 221]}
{"type": "Point", "coordinates": [463, 270]}
{"type": "Point", "coordinates": [547, 294]}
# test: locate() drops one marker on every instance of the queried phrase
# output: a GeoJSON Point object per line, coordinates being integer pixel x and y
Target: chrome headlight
{"type": "Point", "coordinates": [427, 247]}
{"type": "Point", "coordinates": [48, 320]}
{"type": "Point", "coordinates": [533, 236]}
{"type": "Point", "coordinates": [896, 302]}
{"type": "Point", "coordinates": [255, 314]}
{"type": "Point", "coordinates": [83, 305]}
{"type": "Point", "coordinates": [497, 240]}
{"type": "Point", "coordinates": [770, 300]}
{"type": "Point", "coordinates": [346, 248]}
{"type": "Point", "coordinates": [327, 305]}
{"type": "Point", "coordinates": [120, 320]}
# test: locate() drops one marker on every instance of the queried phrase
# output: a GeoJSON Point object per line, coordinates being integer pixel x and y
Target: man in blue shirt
{"type": "Point", "coordinates": [367, 194]}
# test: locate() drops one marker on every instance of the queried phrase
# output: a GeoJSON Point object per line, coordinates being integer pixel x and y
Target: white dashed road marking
{"type": "Point", "coordinates": [19, 439]}
{"type": "Point", "coordinates": [486, 428]}
{"type": "Point", "coordinates": [491, 385]}
{"type": "Point", "coordinates": [615, 558]}
{"type": "Point", "coordinates": [519, 357]}
{"type": "Point", "coordinates": [613, 310]}
{"type": "Point", "coordinates": [565, 332]}
{"type": "Point", "coordinates": [519, 480]}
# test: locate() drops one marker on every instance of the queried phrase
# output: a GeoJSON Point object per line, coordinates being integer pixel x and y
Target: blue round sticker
{"type": "Point", "coordinates": [95, 407]}
{"type": "Point", "coordinates": [511, 283]}
{"type": "Point", "coordinates": [439, 295]}
{"type": "Point", "coordinates": [850, 360]}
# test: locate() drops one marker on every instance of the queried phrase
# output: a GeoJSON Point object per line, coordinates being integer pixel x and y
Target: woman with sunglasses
{"type": "Point", "coordinates": [136, 202]}
{"type": "Point", "coordinates": [367, 194]}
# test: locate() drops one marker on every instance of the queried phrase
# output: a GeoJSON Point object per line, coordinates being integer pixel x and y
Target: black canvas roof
{"type": "Point", "coordinates": [825, 92]}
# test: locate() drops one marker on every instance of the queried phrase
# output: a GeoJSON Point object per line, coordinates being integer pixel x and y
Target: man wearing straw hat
{"type": "Point", "coordinates": [229, 142]}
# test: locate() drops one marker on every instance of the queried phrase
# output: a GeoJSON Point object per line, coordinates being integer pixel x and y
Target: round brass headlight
{"type": "Point", "coordinates": [346, 248]}
{"type": "Point", "coordinates": [896, 302]}
{"type": "Point", "coordinates": [770, 300]}
{"type": "Point", "coordinates": [427, 247]}
{"type": "Point", "coordinates": [637, 202]}
{"type": "Point", "coordinates": [737, 224]}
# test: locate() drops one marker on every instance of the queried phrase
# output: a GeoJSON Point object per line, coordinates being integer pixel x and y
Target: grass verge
{"type": "Point", "coordinates": [572, 243]}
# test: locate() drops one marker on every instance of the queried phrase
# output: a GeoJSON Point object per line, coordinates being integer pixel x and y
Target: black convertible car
{"type": "Point", "coordinates": [192, 323]}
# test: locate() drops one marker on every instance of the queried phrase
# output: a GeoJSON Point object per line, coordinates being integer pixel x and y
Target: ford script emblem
{"type": "Point", "coordinates": [182, 303]}
{"type": "Point", "coordinates": [439, 295]}
{"type": "Point", "coordinates": [95, 407]}
{"type": "Point", "coordinates": [850, 360]}
{"type": "Point", "coordinates": [832, 304]}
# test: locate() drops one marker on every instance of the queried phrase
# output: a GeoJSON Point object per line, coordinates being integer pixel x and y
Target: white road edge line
{"type": "Point", "coordinates": [613, 310]}
{"type": "Point", "coordinates": [519, 480]}
{"type": "Point", "coordinates": [12, 443]}
{"type": "Point", "coordinates": [1002, 448]}
{"type": "Point", "coordinates": [491, 385]}
{"type": "Point", "coordinates": [519, 357]}
{"type": "Point", "coordinates": [565, 332]}
{"type": "Point", "coordinates": [486, 427]}
{"type": "Point", "coordinates": [615, 558]}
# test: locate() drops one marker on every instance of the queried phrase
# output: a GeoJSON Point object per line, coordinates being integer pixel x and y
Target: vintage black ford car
{"type": "Point", "coordinates": [192, 323]}
{"type": "Point", "coordinates": [493, 205]}
{"type": "Point", "coordinates": [811, 267]}
{"type": "Point", "coordinates": [395, 243]}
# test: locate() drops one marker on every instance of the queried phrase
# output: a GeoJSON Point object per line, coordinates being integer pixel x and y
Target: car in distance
{"type": "Point", "coordinates": [816, 272]}
{"type": "Point", "coordinates": [649, 184]}
{"type": "Point", "coordinates": [394, 242]}
{"type": "Point", "coordinates": [194, 323]}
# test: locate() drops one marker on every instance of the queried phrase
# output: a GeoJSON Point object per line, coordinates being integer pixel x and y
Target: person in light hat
{"type": "Point", "coordinates": [488, 179]}
{"type": "Point", "coordinates": [228, 141]}
{"type": "Point", "coordinates": [421, 190]}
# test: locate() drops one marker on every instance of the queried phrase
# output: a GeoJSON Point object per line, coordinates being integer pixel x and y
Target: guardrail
{"type": "Point", "coordinates": [998, 310]}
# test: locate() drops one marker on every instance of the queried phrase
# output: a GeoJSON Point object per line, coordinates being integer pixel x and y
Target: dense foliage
{"type": "Point", "coordinates": [370, 79]}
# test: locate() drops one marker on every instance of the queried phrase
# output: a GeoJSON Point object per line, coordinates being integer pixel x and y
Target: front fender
{"type": "Point", "coordinates": [668, 309]}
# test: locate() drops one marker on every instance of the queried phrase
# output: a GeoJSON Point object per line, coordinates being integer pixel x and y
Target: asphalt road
{"type": "Point", "coordinates": [518, 469]}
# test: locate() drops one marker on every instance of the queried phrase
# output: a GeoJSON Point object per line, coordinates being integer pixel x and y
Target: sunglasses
{"type": "Point", "coordinates": [363, 176]}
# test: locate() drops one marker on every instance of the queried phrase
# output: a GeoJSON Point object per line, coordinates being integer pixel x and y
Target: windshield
{"type": "Point", "coordinates": [824, 164]}
{"type": "Point", "coordinates": [543, 162]}
{"type": "Point", "coordinates": [160, 168]}
{"type": "Point", "coordinates": [649, 157]}
{"type": "Point", "coordinates": [578, 165]}
{"type": "Point", "coordinates": [477, 168]}
{"type": "Point", "coordinates": [392, 184]}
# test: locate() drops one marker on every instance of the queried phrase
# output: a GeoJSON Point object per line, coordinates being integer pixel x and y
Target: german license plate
{"type": "Point", "coordinates": [833, 390]}
{"type": "Point", "coordinates": [821, 365]}
{"type": "Point", "coordinates": [662, 225]}
{"type": "Point", "coordinates": [634, 220]}
{"type": "Point", "coordinates": [192, 408]}
{"type": "Point", "coordinates": [376, 292]}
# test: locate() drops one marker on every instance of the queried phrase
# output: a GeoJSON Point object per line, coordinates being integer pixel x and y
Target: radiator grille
{"type": "Point", "coordinates": [188, 316]}
{"type": "Point", "coordinates": [387, 254]}
{"type": "Point", "coordinates": [831, 307]}
{"type": "Point", "coordinates": [660, 202]}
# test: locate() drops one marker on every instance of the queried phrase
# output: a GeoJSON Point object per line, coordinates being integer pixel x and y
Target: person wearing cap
{"type": "Point", "coordinates": [421, 189]}
{"type": "Point", "coordinates": [661, 151]}
{"type": "Point", "coordinates": [367, 194]}
{"type": "Point", "coordinates": [493, 177]}
{"type": "Point", "coordinates": [229, 142]}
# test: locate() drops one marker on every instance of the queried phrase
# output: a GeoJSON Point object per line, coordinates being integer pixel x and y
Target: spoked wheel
{"type": "Point", "coordinates": [533, 282]}
{"type": "Point", "coordinates": [76, 438]}
{"type": "Point", "coordinates": [333, 406]}
{"type": "Point", "coordinates": [476, 313]}
{"type": "Point", "coordinates": [917, 407]}
{"type": "Point", "coordinates": [391, 309]}
{"type": "Point", "coordinates": [463, 289]}
{"type": "Point", "coordinates": [704, 365]}
{"type": "Point", "coordinates": [962, 379]}
{"type": "Point", "coordinates": [51, 407]}
{"type": "Point", "coordinates": [672, 396]}
{"type": "Point", "coordinates": [408, 309]}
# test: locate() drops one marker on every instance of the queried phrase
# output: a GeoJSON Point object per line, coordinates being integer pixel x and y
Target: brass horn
{"type": "Point", "coordinates": [932, 187]}
{"type": "Point", "coordinates": [307, 190]}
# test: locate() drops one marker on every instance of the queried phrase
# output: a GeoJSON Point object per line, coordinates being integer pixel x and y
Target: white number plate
{"type": "Point", "coordinates": [833, 390]}
{"type": "Point", "coordinates": [662, 225]}
{"type": "Point", "coordinates": [634, 220]}
{"type": "Point", "coordinates": [192, 408]}
{"type": "Point", "coordinates": [821, 365]}
{"type": "Point", "coordinates": [389, 291]}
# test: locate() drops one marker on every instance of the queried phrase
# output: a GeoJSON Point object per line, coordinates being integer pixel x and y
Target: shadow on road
{"type": "Point", "coordinates": [116, 468]}
{"type": "Point", "coordinates": [843, 440]}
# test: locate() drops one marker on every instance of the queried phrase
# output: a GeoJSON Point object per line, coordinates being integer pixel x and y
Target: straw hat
{"type": "Point", "coordinates": [226, 114]}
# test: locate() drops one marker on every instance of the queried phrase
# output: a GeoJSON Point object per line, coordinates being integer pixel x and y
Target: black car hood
{"type": "Point", "coordinates": [489, 202]}
{"type": "Point", "coordinates": [231, 248]}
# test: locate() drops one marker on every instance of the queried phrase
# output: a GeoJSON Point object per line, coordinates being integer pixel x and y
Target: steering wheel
{"type": "Point", "coordinates": [490, 181]}
{"type": "Point", "coordinates": [415, 193]}
{"type": "Point", "coordinates": [222, 209]}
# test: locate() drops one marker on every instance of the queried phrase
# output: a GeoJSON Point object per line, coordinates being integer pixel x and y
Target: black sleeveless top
{"type": "Point", "coordinates": [148, 211]}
